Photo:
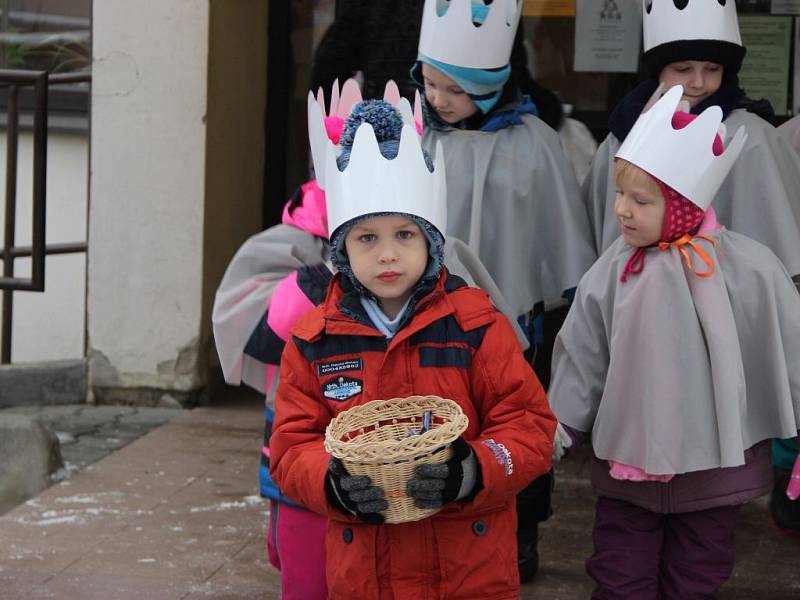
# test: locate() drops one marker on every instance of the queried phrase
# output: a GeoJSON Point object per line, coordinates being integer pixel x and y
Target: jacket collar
{"type": "Point", "coordinates": [343, 313]}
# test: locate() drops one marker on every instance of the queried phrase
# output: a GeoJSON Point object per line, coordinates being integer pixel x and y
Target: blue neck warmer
{"type": "Point", "coordinates": [483, 86]}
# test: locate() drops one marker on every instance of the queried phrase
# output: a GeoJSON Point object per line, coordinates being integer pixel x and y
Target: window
{"type": "Point", "coordinates": [53, 36]}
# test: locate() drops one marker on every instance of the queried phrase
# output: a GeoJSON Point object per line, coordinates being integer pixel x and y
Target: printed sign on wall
{"type": "Point", "coordinates": [608, 35]}
{"type": "Point", "coordinates": [765, 71]}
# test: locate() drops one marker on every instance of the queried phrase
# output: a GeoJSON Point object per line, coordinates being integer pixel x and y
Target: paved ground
{"type": "Point", "coordinates": [175, 515]}
{"type": "Point", "coordinates": [88, 433]}
{"type": "Point", "coordinates": [768, 563]}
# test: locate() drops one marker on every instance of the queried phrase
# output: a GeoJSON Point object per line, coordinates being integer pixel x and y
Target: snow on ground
{"type": "Point", "coordinates": [244, 503]}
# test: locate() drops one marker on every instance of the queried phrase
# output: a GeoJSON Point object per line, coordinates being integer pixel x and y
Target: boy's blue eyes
{"type": "Point", "coordinates": [403, 234]}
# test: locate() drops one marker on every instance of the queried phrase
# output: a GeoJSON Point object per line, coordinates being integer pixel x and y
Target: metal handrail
{"type": "Point", "coordinates": [40, 82]}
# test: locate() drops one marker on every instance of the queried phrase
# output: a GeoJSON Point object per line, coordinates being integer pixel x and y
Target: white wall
{"type": "Point", "coordinates": [149, 89]}
{"type": "Point", "coordinates": [51, 325]}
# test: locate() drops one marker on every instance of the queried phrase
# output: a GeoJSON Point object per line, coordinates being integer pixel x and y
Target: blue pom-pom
{"type": "Point", "coordinates": [387, 123]}
{"type": "Point", "coordinates": [385, 119]}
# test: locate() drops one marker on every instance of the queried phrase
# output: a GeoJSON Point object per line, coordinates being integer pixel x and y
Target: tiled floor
{"type": "Point", "coordinates": [175, 515]}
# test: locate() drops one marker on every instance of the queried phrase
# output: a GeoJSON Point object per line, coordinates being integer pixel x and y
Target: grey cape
{"type": "Point", "coordinates": [760, 197]}
{"type": "Point", "coordinates": [265, 260]}
{"type": "Point", "coordinates": [513, 198]}
{"type": "Point", "coordinates": [673, 373]}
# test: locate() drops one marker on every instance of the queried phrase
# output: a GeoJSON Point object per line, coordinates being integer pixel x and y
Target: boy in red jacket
{"type": "Point", "coordinates": [395, 323]}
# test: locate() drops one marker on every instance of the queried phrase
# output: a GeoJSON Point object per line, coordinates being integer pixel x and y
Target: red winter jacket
{"type": "Point", "coordinates": [457, 346]}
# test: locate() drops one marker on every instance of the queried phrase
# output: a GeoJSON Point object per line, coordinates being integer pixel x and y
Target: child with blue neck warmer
{"type": "Point", "coordinates": [512, 192]}
{"type": "Point", "coordinates": [395, 323]}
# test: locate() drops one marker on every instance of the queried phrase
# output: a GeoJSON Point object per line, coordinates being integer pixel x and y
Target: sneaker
{"type": "Point", "coordinates": [785, 513]}
{"type": "Point", "coordinates": [528, 554]}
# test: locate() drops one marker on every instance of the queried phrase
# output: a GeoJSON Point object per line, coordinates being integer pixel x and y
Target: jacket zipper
{"type": "Point", "coordinates": [666, 497]}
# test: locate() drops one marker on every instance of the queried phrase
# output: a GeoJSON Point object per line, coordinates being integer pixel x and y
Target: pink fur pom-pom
{"type": "Point", "coordinates": [334, 127]}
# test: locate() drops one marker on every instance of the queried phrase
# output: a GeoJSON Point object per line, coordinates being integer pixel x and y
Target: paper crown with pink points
{"type": "Point", "coordinates": [324, 127]}
{"type": "Point", "coordinates": [682, 158]}
{"type": "Point", "coordinates": [371, 183]}
{"type": "Point", "coordinates": [449, 35]}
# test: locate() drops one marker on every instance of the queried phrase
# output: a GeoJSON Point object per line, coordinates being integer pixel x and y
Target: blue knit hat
{"type": "Point", "coordinates": [483, 86]}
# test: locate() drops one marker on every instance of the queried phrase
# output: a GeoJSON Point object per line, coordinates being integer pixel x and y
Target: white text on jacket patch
{"type": "Point", "coordinates": [341, 388]}
{"type": "Point", "coordinates": [353, 364]}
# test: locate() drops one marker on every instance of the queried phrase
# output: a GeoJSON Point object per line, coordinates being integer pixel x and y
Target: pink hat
{"type": "Point", "coordinates": [681, 215]}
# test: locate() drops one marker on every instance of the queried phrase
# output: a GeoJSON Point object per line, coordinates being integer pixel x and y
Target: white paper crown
{"type": "Point", "coordinates": [664, 22]}
{"type": "Point", "coordinates": [682, 158]}
{"type": "Point", "coordinates": [453, 39]}
{"type": "Point", "coordinates": [371, 183]}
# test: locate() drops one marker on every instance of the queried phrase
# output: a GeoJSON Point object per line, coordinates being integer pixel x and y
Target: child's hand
{"type": "Point", "coordinates": [435, 485]}
{"type": "Point", "coordinates": [355, 495]}
{"type": "Point", "coordinates": [561, 442]}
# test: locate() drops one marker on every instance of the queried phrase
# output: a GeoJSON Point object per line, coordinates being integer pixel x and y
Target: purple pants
{"type": "Point", "coordinates": [296, 547]}
{"type": "Point", "coordinates": [642, 555]}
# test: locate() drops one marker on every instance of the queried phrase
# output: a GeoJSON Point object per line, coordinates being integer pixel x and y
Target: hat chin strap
{"type": "Point", "coordinates": [686, 242]}
{"type": "Point", "coordinates": [681, 216]}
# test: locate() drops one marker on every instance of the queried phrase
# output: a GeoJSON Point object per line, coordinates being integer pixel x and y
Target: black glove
{"type": "Point", "coordinates": [457, 479]}
{"type": "Point", "coordinates": [354, 495]}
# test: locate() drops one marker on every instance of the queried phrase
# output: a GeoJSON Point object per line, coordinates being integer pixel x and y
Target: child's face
{"type": "Point", "coordinates": [451, 103]}
{"type": "Point", "coordinates": [388, 255]}
{"type": "Point", "coordinates": [699, 79]}
{"type": "Point", "coordinates": [640, 212]}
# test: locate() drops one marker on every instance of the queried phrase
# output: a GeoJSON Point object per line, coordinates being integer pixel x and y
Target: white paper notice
{"type": "Point", "coordinates": [796, 95]}
{"type": "Point", "coordinates": [785, 7]}
{"type": "Point", "coordinates": [608, 35]}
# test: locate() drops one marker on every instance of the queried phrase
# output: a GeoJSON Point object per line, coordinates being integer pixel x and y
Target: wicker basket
{"type": "Point", "coordinates": [373, 439]}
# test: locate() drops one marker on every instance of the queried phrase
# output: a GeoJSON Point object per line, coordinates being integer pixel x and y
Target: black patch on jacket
{"type": "Point", "coordinates": [433, 356]}
{"type": "Point", "coordinates": [330, 346]}
{"type": "Point", "coordinates": [447, 331]}
{"type": "Point", "coordinates": [330, 368]}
